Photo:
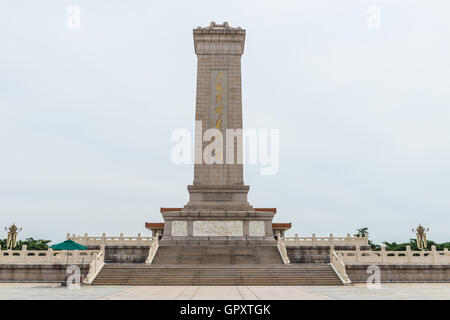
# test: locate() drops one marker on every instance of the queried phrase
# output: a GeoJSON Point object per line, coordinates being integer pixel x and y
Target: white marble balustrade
{"type": "Point", "coordinates": [47, 256]}
{"type": "Point", "coordinates": [326, 241]}
{"type": "Point", "coordinates": [407, 257]}
{"type": "Point", "coordinates": [120, 240]}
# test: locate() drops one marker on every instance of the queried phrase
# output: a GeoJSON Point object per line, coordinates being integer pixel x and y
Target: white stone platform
{"type": "Point", "coordinates": [439, 291]}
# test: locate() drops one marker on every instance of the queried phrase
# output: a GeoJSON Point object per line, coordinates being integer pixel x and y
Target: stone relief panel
{"type": "Point", "coordinates": [179, 228]}
{"type": "Point", "coordinates": [257, 228]}
{"type": "Point", "coordinates": [219, 48]}
{"type": "Point", "coordinates": [218, 228]}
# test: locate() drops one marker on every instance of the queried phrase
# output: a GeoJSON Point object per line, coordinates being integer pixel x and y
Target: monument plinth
{"type": "Point", "coordinates": [218, 209]}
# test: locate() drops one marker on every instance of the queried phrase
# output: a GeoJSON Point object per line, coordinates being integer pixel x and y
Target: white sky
{"type": "Point", "coordinates": [86, 116]}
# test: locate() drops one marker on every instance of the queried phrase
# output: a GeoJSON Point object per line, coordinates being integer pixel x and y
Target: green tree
{"type": "Point", "coordinates": [394, 246]}
{"type": "Point", "coordinates": [361, 232]}
{"type": "Point", "coordinates": [32, 244]}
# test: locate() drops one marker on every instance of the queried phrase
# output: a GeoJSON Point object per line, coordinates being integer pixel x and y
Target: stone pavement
{"type": "Point", "coordinates": [356, 292]}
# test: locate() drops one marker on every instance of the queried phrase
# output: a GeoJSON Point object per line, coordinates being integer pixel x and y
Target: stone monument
{"type": "Point", "coordinates": [218, 209]}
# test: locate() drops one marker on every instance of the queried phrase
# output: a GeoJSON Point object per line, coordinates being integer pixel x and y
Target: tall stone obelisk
{"type": "Point", "coordinates": [218, 209]}
{"type": "Point", "coordinates": [219, 105]}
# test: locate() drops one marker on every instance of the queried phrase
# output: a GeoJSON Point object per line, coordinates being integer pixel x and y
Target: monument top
{"type": "Point", "coordinates": [219, 28]}
{"type": "Point", "coordinates": [219, 39]}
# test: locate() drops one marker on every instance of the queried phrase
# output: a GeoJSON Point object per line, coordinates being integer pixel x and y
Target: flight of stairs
{"type": "Point", "coordinates": [221, 255]}
{"type": "Point", "coordinates": [293, 274]}
{"type": "Point", "coordinates": [216, 265]}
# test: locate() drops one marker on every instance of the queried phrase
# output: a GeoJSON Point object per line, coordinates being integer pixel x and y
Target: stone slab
{"type": "Point", "coordinates": [46, 291]}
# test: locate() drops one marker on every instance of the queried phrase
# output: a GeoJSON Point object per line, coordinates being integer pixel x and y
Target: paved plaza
{"type": "Point", "coordinates": [439, 291]}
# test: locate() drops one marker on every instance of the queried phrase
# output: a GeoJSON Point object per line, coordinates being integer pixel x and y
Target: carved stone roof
{"type": "Point", "coordinates": [219, 39]}
{"type": "Point", "coordinates": [219, 27]}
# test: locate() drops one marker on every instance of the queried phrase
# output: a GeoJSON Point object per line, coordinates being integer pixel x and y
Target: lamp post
{"type": "Point", "coordinates": [421, 235]}
{"type": "Point", "coordinates": [11, 241]}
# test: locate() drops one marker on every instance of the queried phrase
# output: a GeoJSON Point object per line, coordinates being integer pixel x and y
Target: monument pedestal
{"type": "Point", "coordinates": [217, 227]}
{"type": "Point", "coordinates": [220, 198]}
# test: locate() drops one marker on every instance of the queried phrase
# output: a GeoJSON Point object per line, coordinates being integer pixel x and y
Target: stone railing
{"type": "Point", "coordinates": [396, 257]}
{"type": "Point", "coordinates": [338, 266]}
{"type": "Point", "coordinates": [282, 248]}
{"type": "Point", "coordinates": [96, 266]}
{"type": "Point", "coordinates": [326, 241]}
{"type": "Point", "coordinates": [47, 256]}
{"type": "Point", "coordinates": [152, 251]}
{"type": "Point", "coordinates": [87, 240]}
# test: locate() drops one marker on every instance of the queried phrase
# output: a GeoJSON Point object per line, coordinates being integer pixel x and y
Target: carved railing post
{"type": "Point", "coordinates": [138, 239]}
{"type": "Point", "coordinates": [409, 255]}
{"type": "Point", "coordinates": [76, 254]}
{"type": "Point", "coordinates": [331, 240]}
{"type": "Point", "coordinates": [383, 254]}
{"type": "Point", "coordinates": [435, 255]}
{"type": "Point", "coordinates": [314, 239]}
{"type": "Point", "coordinates": [24, 253]}
{"type": "Point", "coordinates": [357, 253]}
{"type": "Point", "coordinates": [50, 255]}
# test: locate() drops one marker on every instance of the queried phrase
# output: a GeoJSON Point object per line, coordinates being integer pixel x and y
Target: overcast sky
{"type": "Point", "coordinates": [86, 115]}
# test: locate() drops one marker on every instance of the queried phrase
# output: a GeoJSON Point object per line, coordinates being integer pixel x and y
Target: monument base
{"type": "Point", "coordinates": [223, 197]}
{"type": "Point", "coordinates": [217, 227]}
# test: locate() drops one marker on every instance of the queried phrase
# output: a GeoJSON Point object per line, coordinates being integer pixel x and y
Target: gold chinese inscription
{"type": "Point", "coordinates": [219, 108]}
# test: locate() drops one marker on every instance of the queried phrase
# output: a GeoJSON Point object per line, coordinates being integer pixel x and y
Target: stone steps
{"type": "Point", "coordinates": [115, 274]}
{"type": "Point", "coordinates": [229, 255]}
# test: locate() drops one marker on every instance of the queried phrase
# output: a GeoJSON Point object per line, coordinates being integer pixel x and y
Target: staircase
{"type": "Point", "coordinates": [217, 275]}
{"type": "Point", "coordinates": [217, 265]}
{"type": "Point", "coordinates": [220, 255]}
